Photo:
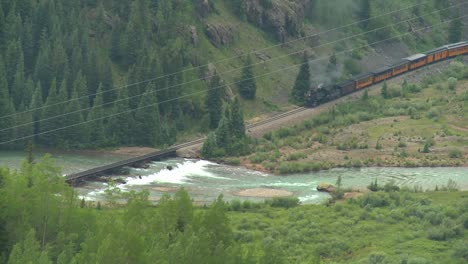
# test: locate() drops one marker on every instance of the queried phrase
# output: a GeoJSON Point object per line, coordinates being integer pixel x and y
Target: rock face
{"type": "Point", "coordinates": [220, 34]}
{"type": "Point", "coordinates": [325, 187]}
{"type": "Point", "coordinates": [204, 7]}
{"type": "Point", "coordinates": [282, 18]}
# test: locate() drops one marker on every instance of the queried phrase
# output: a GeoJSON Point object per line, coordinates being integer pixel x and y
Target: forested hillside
{"type": "Point", "coordinates": [92, 74]}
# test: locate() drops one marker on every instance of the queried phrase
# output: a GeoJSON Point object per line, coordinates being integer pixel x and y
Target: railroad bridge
{"type": "Point", "coordinates": [75, 179]}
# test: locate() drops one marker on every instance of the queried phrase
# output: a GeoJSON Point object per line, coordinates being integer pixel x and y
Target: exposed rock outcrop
{"type": "Point", "coordinates": [282, 18]}
{"type": "Point", "coordinates": [204, 7]}
{"type": "Point", "coordinates": [220, 34]}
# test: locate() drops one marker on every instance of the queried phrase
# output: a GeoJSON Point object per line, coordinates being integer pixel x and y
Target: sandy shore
{"type": "Point", "coordinates": [263, 192]}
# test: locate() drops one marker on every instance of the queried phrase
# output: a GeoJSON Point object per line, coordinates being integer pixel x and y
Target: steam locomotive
{"type": "Point", "coordinates": [325, 93]}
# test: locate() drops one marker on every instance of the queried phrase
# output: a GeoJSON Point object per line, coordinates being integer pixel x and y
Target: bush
{"type": "Point", "coordinates": [284, 202]}
{"type": "Point", "coordinates": [461, 250]}
{"type": "Point", "coordinates": [452, 83]}
{"type": "Point", "coordinates": [455, 153]}
{"type": "Point", "coordinates": [235, 205]}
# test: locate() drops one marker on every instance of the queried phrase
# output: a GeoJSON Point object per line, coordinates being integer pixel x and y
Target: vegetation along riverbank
{"type": "Point", "coordinates": [410, 124]}
{"type": "Point", "coordinates": [43, 221]}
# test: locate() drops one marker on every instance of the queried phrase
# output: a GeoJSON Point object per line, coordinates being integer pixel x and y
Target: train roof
{"type": "Point", "coordinates": [436, 50]}
{"type": "Point", "coordinates": [345, 83]}
{"type": "Point", "coordinates": [400, 63]}
{"type": "Point", "coordinates": [381, 69]}
{"type": "Point", "coordinates": [457, 45]}
{"type": "Point", "coordinates": [362, 76]}
{"type": "Point", "coordinates": [415, 57]}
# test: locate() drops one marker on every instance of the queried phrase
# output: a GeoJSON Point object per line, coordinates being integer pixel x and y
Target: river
{"type": "Point", "coordinates": [206, 180]}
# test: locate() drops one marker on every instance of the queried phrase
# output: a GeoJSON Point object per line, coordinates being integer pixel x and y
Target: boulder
{"type": "Point", "coordinates": [325, 187]}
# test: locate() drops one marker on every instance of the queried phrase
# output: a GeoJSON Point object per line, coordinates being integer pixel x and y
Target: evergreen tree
{"type": "Point", "coordinates": [120, 126]}
{"type": "Point", "coordinates": [110, 94]}
{"type": "Point", "coordinates": [7, 110]}
{"type": "Point", "coordinates": [384, 92]}
{"type": "Point", "coordinates": [247, 85]}
{"type": "Point", "coordinates": [36, 105]}
{"type": "Point", "coordinates": [213, 101]}
{"type": "Point", "coordinates": [455, 30]}
{"type": "Point", "coordinates": [209, 146]}
{"type": "Point", "coordinates": [18, 92]}
{"type": "Point", "coordinates": [96, 122]}
{"type": "Point", "coordinates": [74, 135]}
{"type": "Point", "coordinates": [365, 12]}
{"type": "Point", "coordinates": [237, 120]}
{"type": "Point", "coordinates": [148, 126]}
{"type": "Point", "coordinates": [223, 134]}
{"type": "Point", "coordinates": [49, 121]}
{"type": "Point", "coordinates": [302, 83]}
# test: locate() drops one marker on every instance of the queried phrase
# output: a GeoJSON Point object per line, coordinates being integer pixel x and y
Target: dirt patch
{"type": "Point", "coordinates": [263, 192]}
{"type": "Point", "coordinates": [352, 195]}
{"type": "Point", "coordinates": [132, 151]}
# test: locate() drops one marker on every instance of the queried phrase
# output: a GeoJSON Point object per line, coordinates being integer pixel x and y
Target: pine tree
{"type": "Point", "coordinates": [51, 109]}
{"type": "Point", "coordinates": [384, 92]}
{"type": "Point", "coordinates": [209, 146]}
{"type": "Point", "coordinates": [43, 71]}
{"type": "Point", "coordinates": [74, 135]}
{"type": "Point", "coordinates": [247, 85]}
{"type": "Point", "coordinates": [213, 101]}
{"type": "Point", "coordinates": [455, 30]}
{"type": "Point", "coordinates": [223, 136]}
{"type": "Point", "coordinates": [148, 126]}
{"type": "Point", "coordinates": [110, 94]}
{"type": "Point", "coordinates": [36, 105]}
{"type": "Point", "coordinates": [96, 122]}
{"type": "Point", "coordinates": [120, 126]}
{"type": "Point", "coordinates": [302, 83]}
{"type": "Point", "coordinates": [237, 120]}
{"type": "Point", "coordinates": [6, 108]}
{"type": "Point", "coordinates": [365, 12]}
{"type": "Point", "coordinates": [18, 91]}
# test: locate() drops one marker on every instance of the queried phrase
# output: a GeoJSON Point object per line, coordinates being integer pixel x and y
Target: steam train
{"type": "Point", "coordinates": [325, 93]}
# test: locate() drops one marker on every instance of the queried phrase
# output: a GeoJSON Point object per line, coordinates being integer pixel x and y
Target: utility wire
{"type": "Point", "coordinates": [229, 71]}
{"type": "Point", "coordinates": [216, 62]}
{"type": "Point", "coordinates": [221, 86]}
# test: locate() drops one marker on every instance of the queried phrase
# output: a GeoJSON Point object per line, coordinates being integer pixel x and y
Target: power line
{"type": "Point", "coordinates": [229, 71]}
{"type": "Point", "coordinates": [216, 62]}
{"type": "Point", "coordinates": [219, 87]}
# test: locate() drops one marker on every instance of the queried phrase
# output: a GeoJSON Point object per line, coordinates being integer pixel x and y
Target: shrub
{"type": "Point", "coordinates": [296, 156]}
{"type": "Point", "coordinates": [455, 153]}
{"type": "Point", "coordinates": [235, 205]}
{"type": "Point", "coordinates": [461, 250]}
{"type": "Point", "coordinates": [452, 83]}
{"type": "Point", "coordinates": [284, 202]}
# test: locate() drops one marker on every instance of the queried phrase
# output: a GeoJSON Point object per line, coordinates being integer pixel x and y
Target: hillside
{"type": "Point", "coordinates": [98, 58]}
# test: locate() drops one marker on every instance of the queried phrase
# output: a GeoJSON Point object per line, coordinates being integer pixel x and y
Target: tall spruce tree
{"type": "Point", "coordinates": [302, 83]}
{"type": "Point", "coordinates": [75, 136]}
{"type": "Point", "coordinates": [6, 108]}
{"type": "Point", "coordinates": [214, 101]}
{"type": "Point", "coordinates": [36, 107]}
{"type": "Point", "coordinates": [248, 85]}
{"type": "Point", "coordinates": [148, 124]}
{"type": "Point", "coordinates": [96, 122]}
{"type": "Point", "coordinates": [237, 120]}
{"type": "Point", "coordinates": [50, 121]}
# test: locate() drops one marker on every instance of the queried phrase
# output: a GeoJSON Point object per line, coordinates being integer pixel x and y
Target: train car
{"type": "Point", "coordinates": [382, 74]}
{"type": "Point", "coordinates": [456, 49]}
{"type": "Point", "coordinates": [400, 67]}
{"type": "Point", "coordinates": [363, 80]}
{"type": "Point", "coordinates": [436, 55]}
{"type": "Point", "coordinates": [346, 87]}
{"type": "Point", "coordinates": [417, 61]}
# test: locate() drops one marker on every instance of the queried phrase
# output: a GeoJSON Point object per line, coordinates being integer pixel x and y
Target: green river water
{"type": "Point", "coordinates": [206, 180]}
